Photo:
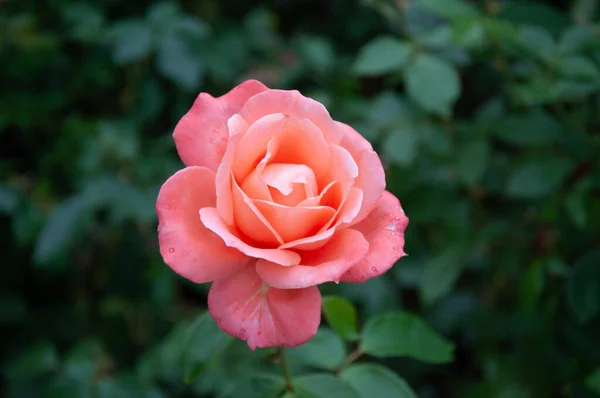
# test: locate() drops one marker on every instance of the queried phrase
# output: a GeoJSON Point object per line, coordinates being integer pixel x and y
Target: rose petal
{"type": "Point", "coordinates": [201, 135]}
{"type": "Point", "coordinates": [251, 222]}
{"type": "Point", "coordinates": [342, 168]}
{"type": "Point", "coordinates": [312, 242]}
{"type": "Point", "coordinates": [223, 182]}
{"type": "Point", "coordinates": [353, 141]}
{"type": "Point", "coordinates": [255, 187]}
{"type": "Point", "coordinates": [292, 103]}
{"type": "Point", "coordinates": [186, 245]}
{"type": "Point", "coordinates": [326, 264]}
{"type": "Point", "coordinates": [319, 199]}
{"type": "Point", "coordinates": [213, 221]}
{"type": "Point", "coordinates": [299, 141]}
{"type": "Point", "coordinates": [246, 308]}
{"type": "Point", "coordinates": [384, 230]}
{"type": "Point", "coordinates": [293, 223]}
{"type": "Point", "coordinates": [371, 180]}
{"type": "Point", "coordinates": [371, 177]}
{"type": "Point", "coordinates": [283, 176]}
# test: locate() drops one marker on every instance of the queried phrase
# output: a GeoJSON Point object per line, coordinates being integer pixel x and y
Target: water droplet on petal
{"type": "Point", "coordinates": [167, 207]}
{"type": "Point", "coordinates": [348, 272]}
{"type": "Point", "coordinates": [347, 258]}
{"type": "Point", "coordinates": [397, 218]}
{"type": "Point", "coordinates": [242, 331]}
{"type": "Point", "coordinates": [171, 250]}
{"type": "Point", "coordinates": [373, 269]}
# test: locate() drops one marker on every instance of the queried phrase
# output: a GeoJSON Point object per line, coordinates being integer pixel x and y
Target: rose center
{"type": "Point", "coordinates": [290, 184]}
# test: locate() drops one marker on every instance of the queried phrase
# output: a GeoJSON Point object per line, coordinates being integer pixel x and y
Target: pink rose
{"type": "Point", "coordinates": [276, 198]}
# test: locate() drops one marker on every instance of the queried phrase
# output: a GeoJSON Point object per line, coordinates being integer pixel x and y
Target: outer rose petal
{"type": "Point", "coordinates": [353, 141]}
{"type": "Point", "coordinates": [384, 230]}
{"type": "Point", "coordinates": [326, 264]}
{"type": "Point", "coordinates": [201, 135]}
{"type": "Point", "coordinates": [187, 246]}
{"type": "Point", "coordinates": [371, 177]}
{"type": "Point", "coordinates": [246, 308]}
{"type": "Point", "coordinates": [213, 221]}
{"type": "Point", "coordinates": [292, 103]}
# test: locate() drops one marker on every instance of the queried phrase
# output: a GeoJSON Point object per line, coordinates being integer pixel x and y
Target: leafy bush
{"type": "Point", "coordinates": [487, 116]}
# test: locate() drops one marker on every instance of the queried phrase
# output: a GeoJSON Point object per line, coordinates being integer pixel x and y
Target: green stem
{"type": "Point", "coordinates": [353, 356]}
{"type": "Point", "coordinates": [286, 369]}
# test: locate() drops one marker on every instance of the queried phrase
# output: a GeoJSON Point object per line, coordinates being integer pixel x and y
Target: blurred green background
{"type": "Point", "coordinates": [486, 116]}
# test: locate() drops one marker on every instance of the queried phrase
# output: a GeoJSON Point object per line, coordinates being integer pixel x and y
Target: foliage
{"type": "Point", "coordinates": [486, 115]}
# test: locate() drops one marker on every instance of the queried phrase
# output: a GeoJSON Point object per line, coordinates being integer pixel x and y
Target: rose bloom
{"type": "Point", "coordinates": [276, 198]}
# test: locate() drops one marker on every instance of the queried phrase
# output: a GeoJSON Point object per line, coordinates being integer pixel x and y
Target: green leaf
{"type": "Point", "coordinates": [322, 385]}
{"type": "Point", "coordinates": [317, 52]}
{"type": "Point", "coordinates": [472, 161]}
{"type": "Point", "coordinates": [469, 33]}
{"type": "Point", "coordinates": [8, 200]}
{"type": "Point", "coordinates": [399, 334]}
{"type": "Point", "coordinates": [324, 351]}
{"type": "Point", "coordinates": [433, 83]}
{"type": "Point", "coordinates": [33, 361]}
{"type": "Point", "coordinates": [380, 56]}
{"type": "Point", "coordinates": [203, 340]}
{"type": "Point", "coordinates": [341, 316]}
{"type": "Point", "coordinates": [578, 67]}
{"type": "Point", "coordinates": [60, 229]}
{"type": "Point", "coordinates": [400, 145]}
{"type": "Point", "coordinates": [176, 62]}
{"type": "Point", "coordinates": [260, 386]}
{"type": "Point", "coordinates": [133, 42]}
{"type": "Point", "coordinates": [376, 381]}
{"type": "Point", "coordinates": [593, 381]}
{"type": "Point", "coordinates": [536, 127]}
{"type": "Point", "coordinates": [531, 285]}
{"type": "Point", "coordinates": [450, 9]}
{"type": "Point", "coordinates": [538, 177]}
{"type": "Point", "coordinates": [583, 287]}
{"type": "Point", "coordinates": [576, 39]}
{"type": "Point", "coordinates": [575, 204]}
{"type": "Point", "coordinates": [440, 274]}
{"type": "Point", "coordinates": [536, 41]}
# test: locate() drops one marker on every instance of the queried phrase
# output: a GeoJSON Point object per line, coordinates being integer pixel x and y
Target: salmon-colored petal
{"type": "Point", "coordinates": [371, 176]}
{"type": "Point", "coordinates": [255, 187]}
{"type": "Point", "coordinates": [201, 135]}
{"type": "Point", "coordinates": [326, 264]}
{"type": "Point", "coordinates": [251, 222]}
{"type": "Point", "coordinates": [371, 180]}
{"type": "Point", "coordinates": [289, 184]}
{"type": "Point", "coordinates": [186, 245]}
{"type": "Point", "coordinates": [299, 141]}
{"type": "Point", "coordinates": [293, 223]}
{"type": "Point", "coordinates": [350, 207]}
{"type": "Point", "coordinates": [353, 141]}
{"type": "Point", "coordinates": [292, 103]}
{"type": "Point", "coordinates": [223, 182]}
{"type": "Point", "coordinates": [245, 307]}
{"type": "Point", "coordinates": [283, 176]}
{"type": "Point", "coordinates": [212, 220]}
{"type": "Point", "coordinates": [384, 230]}
{"type": "Point", "coordinates": [313, 242]}
{"type": "Point", "coordinates": [342, 168]}
{"type": "Point", "coordinates": [319, 199]}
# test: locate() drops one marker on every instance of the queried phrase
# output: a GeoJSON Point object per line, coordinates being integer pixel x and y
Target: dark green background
{"type": "Point", "coordinates": [486, 116]}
